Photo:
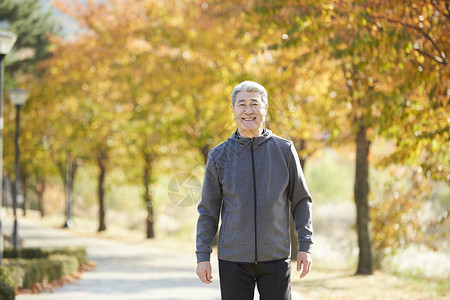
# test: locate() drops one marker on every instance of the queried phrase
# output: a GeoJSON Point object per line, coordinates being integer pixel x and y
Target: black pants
{"type": "Point", "coordinates": [237, 280]}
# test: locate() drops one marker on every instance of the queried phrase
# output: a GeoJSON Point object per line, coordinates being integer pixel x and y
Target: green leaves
{"type": "Point", "coordinates": [31, 24]}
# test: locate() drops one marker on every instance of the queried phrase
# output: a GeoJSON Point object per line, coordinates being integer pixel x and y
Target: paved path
{"type": "Point", "coordinates": [123, 272]}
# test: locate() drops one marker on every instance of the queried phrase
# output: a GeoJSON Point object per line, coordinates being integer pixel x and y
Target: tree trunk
{"type": "Point", "coordinates": [361, 194]}
{"type": "Point", "coordinates": [13, 194]}
{"type": "Point", "coordinates": [147, 195]}
{"type": "Point", "coordinates": [25, 193]}
{"type": "Point", "coordinates": [67, 174]}
{"type": "Point", "coordinates": [40, 189]}
{"type": "Point", "coordinates": [101, 160]}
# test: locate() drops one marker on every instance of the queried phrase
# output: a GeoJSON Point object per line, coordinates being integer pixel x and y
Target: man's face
{"type": "Point", "coordinates": [249, 113]}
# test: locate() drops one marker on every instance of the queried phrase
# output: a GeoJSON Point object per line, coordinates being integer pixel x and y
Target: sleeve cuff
{"type": "Point", "coordinates": [305, 247]}
{"type": "Point", "coordinates": [203, 256]}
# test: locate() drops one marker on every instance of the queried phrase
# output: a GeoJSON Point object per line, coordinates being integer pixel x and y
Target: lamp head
{"type": "Point", "coordinates": [7, 41]}
{"type": "Point", "coordinates": [18, 96]}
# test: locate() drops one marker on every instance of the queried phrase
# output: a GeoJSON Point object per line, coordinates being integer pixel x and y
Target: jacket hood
{"type": "Point", "coordinates": [260, 139]}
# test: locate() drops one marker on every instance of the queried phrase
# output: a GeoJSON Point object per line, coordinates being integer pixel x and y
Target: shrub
{"type": "Point", "coordinates": [64, 264]}
{"type": "Point", "coordinates": [6, 277]}
{"type": "Point", "coordinates": [12, 275]}
{"type": "Point", "coordinates": [6, 291]}
{"type": "Point", "coordinates": [27, 253]}
{"type": "Point", "coordinates": [35, 265]}
{"type": "Point", "coordinates": [79, 253]}
{"type": "Point", "coordinates": [34, 270]}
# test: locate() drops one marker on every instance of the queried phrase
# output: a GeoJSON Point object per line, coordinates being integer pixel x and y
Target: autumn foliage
{"type": "Point", "coordinates": [146, 79]}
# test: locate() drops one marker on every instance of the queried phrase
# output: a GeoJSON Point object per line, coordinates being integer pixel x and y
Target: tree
{"type": "Point", "coordinates": [31, 23]}
{"type": "Point", "coordinates": [367, 70]}
{"type": "Point", "coordinates": [423, 101]}
{"type": "Point", "coordinates": [65, 119]}
{"type": "Point", "coordinates": [127, 78]}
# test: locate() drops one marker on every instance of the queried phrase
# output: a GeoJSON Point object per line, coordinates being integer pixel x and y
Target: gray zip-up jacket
{"type": "Point", "coordinates": [250, 182]}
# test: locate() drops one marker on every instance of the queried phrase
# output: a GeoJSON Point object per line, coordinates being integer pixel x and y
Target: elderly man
{"type": "Point", "coordinates": [250, 179]}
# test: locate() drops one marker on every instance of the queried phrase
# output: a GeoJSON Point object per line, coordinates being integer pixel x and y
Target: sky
{"type": "Point", "coordinates": [69, 26]}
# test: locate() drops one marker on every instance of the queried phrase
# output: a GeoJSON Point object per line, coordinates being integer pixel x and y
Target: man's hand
{"type": "Point", "coordinates": [204, 271]}
{"type": "Point", "coordinates": [303, 258]}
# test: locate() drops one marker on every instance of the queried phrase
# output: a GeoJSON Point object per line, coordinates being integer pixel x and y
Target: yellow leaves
{"type": "Point", "coordinates": [235, 65]}
{"type": "Point", "coordinates": [421, 59]}
{"type": "Point", "coordinates": [193, 33]}
{"type": "Point", "coordinates": [435, 147]}
{"type": "Point", "coordinates": [52, 48]}
{"type": "Point", "coordinates": [342, 46]}
{"type": "Point", "coordinates": [54, 70]}
{"type": "Point", "coordinates": [146, 52]}
{"type": "Point", "coordinates": [329, 6]}
{"type": "Point", "coordinates": [175, 94]}
{"type": "Point", "coordinates": [398, 199]}
{"type": "Point", "coordinates": [335, 132]}
{"type": "Point", "coordinates": [138, 45]}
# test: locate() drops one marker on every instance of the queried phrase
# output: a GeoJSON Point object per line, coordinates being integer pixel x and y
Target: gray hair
{"type": "Point", "coordinates": [249, 86]}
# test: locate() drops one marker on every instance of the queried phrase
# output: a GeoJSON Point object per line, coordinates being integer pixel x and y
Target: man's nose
{"type": "Point", "coordinates": [248, 109]}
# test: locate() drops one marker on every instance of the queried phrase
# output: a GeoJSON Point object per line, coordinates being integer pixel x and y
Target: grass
{"type": "Point", "coordinates": [324, 284]}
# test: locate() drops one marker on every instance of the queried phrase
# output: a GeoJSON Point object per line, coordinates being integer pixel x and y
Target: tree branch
{"type": "Point", "coordinates": [430, 56]}
{"type": "Point", "coordinates": [445, 11]}
{"type": "Point", "coordinates": [425, 34]}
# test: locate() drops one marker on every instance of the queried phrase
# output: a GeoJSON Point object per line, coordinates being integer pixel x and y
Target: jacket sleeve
{"type": "Point", "coordinates": [301, 202]}
{"type": "Point", "coordinates": [209, 210]}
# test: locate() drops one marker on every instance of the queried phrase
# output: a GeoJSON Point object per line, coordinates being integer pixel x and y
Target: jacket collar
{"type": "Point", "coordinates": [237, 138]}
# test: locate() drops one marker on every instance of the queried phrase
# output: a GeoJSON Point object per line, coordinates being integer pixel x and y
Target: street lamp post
{"type": "Point", "coordinates": [7, 41]}
{"type": "Point", "coordinates": [18, 98]}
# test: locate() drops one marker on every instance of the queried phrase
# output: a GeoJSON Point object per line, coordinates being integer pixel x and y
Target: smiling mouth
{"type": "Point", "coordinates": [249, 119]}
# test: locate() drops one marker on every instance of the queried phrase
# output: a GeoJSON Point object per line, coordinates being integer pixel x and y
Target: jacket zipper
{"type": "Point", "coordinates": [254, 201]}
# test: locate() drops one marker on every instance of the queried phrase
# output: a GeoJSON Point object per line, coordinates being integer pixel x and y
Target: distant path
{"type": "Point", "coordinates": [123, 272]}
